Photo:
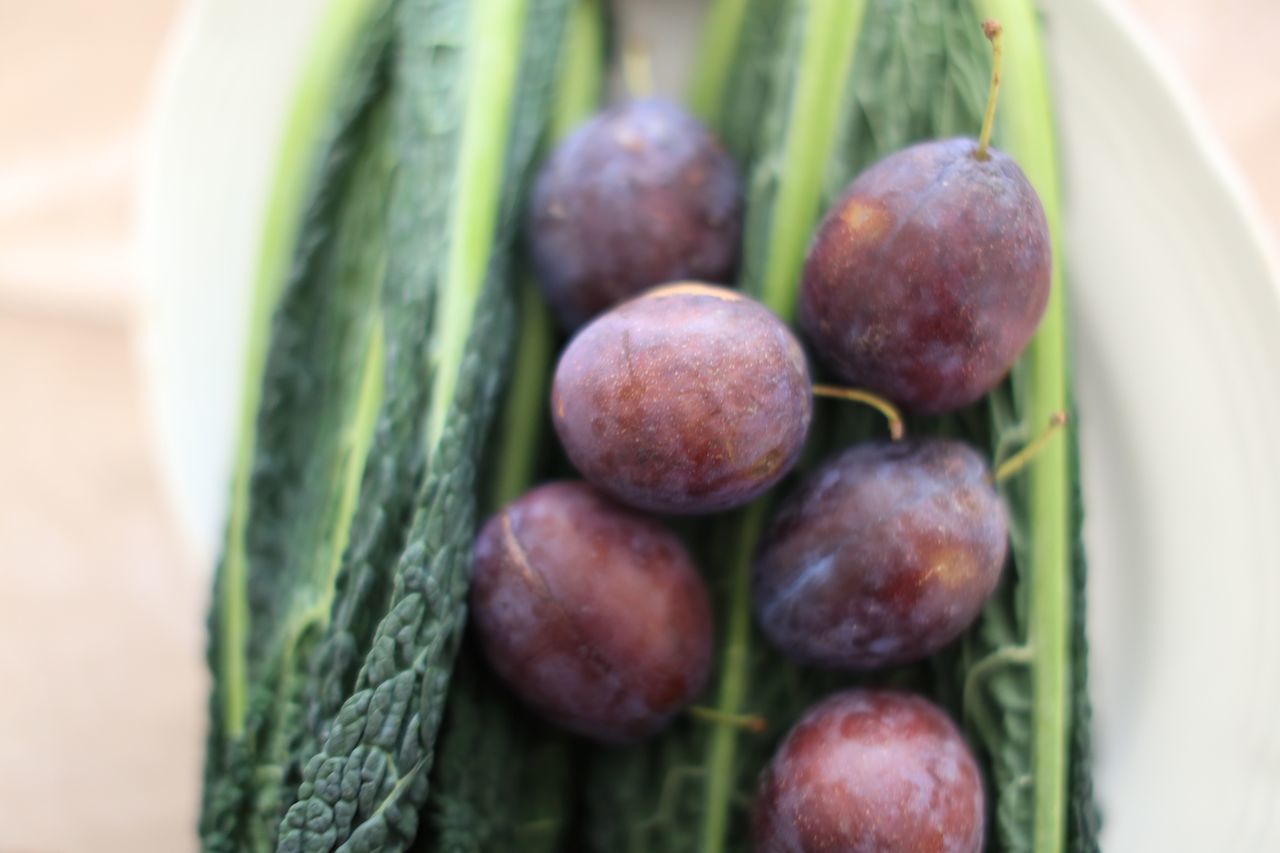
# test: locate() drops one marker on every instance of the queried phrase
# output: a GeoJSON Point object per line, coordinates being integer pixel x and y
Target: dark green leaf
{"type": "Point", "coordinates": [363, 788]}
{"type": "Point", "coordinates": [357, 532]}
{"type": "Point", "coordinates": [502, 779]}
{"type": "Point", "coordinates": [312, 377]}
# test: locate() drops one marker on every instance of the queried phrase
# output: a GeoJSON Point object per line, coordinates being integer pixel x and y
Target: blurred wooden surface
{"type": "Point", "coordinates": [1227, 50]}
{"type": "Point", "coordinates": [102, 691]}
{"type": "Point", "coordinates": [100, 619]}
{"type": "Point", "coordinates": [102, 687]}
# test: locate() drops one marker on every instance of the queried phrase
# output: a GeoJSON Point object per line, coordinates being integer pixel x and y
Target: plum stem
{"type": "Point", "coordinates": [857, 395]}
{"type": "Point", "coordinates": [637, 70]}
{"type": "Point", "coordinates": [1027, 454]}
{"type": "Point", "coordinates": [753, 723]}
{"type": "Point", "coordinates": [995, 34]}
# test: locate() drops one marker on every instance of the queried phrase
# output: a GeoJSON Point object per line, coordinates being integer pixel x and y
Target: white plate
{"type": "Point", "coordinates": [1176, 309]}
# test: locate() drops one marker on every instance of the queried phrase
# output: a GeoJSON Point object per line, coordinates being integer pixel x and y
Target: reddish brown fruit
{"type": "Point", "coordinates": [928, 278]}
{"type": "Point", "coordinates": [640, 195]}
{"type": "Point", "coordinates": [883, 555]}
{"type": "Point", "coordinates": [871, 770]}
{"type": "Point", "coordinates": [689, 399]}
{"type": "Point", "coordinates": [592, 614]}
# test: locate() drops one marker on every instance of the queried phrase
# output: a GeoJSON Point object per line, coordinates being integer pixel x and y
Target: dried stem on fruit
{"type": "Point", "coordinates": [880, 404]}
{"type": "Point", "coordinates": [995, 34]}
{"type": "Point", "coordinates": [753, 723]}
{"type": "Point", "coordinates": [637, 70]}
{"type": "Point", "coordinates": [1027, 454]}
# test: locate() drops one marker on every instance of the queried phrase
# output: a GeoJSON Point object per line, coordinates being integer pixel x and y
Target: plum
{"type": "Point", "coordinates": [688, 399]}
{"type": "Point", "coordinates": [592, 614]}
{"type": "Point", "coordinates": [927, 279]}
{"type": "Point", "coordinates": [883, 555]}
{"type": "Point", "coordinates": [640, 195]}
{"type": "Point", "coordinates": [874, 770]}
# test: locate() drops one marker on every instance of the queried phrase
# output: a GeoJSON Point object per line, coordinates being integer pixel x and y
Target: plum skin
{"type": "Point", "coordinates": [928, 278]}
{"type": "Point", "coordinates": [594, 615]}
{"type": "Point", "coordinates": [871, 770]}
{"type": "Point", "coordinates": [883, 555]}
{"type": "Point", "coordinates": [688, 399]}
{"type": "Point", "coordinates": [640, 195]}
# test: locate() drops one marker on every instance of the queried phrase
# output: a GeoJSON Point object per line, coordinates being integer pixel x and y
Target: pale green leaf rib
{"type": "Point", "coordinates": [522, 409]}
{"type": "Point", "coordinates": [1027, 133]}
{"type": "Point", "coordinates": [719, 48]}
{"type": "Point", "coordinates": [831, 29]}
{"type": "Point", "coordinates": [734, 659]}
{"type": "Point", "coordinates": [328, 56]}
{"type": "Point", "coordinates": [578, 86]}
{"type": "Point", "coordinates": [577, 94]}
{"type": "Point", "coordinates": [356, 441]}
{"type": "Point", "coordinates": [495, 25]}
{"type": "Point", "coordinates": [831, 35]}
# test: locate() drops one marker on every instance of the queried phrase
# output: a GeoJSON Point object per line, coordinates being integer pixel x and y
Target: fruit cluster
{"type": "Point", "coordinates": [679, 396]}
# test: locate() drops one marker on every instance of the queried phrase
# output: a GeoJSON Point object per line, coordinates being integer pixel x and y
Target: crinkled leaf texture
{"type": "Point", "coordinates": [333, 632]}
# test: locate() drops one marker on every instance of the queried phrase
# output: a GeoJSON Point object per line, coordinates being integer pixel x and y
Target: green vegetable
{"type": "Point", "coordinates": [918, 69]}
{"type": "Point", "coordinates": [273, 549]}
{"type": "Point", "coordinates": [524, 412]}
{"type": "Point", "coordinates": [338, 602]}
{"type": "Point", "coordinates": [502, 779]}
{"type": "Point", "coordinates": [724, 37]}
{"type": "Point", "coordinates": [1034, 638]}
